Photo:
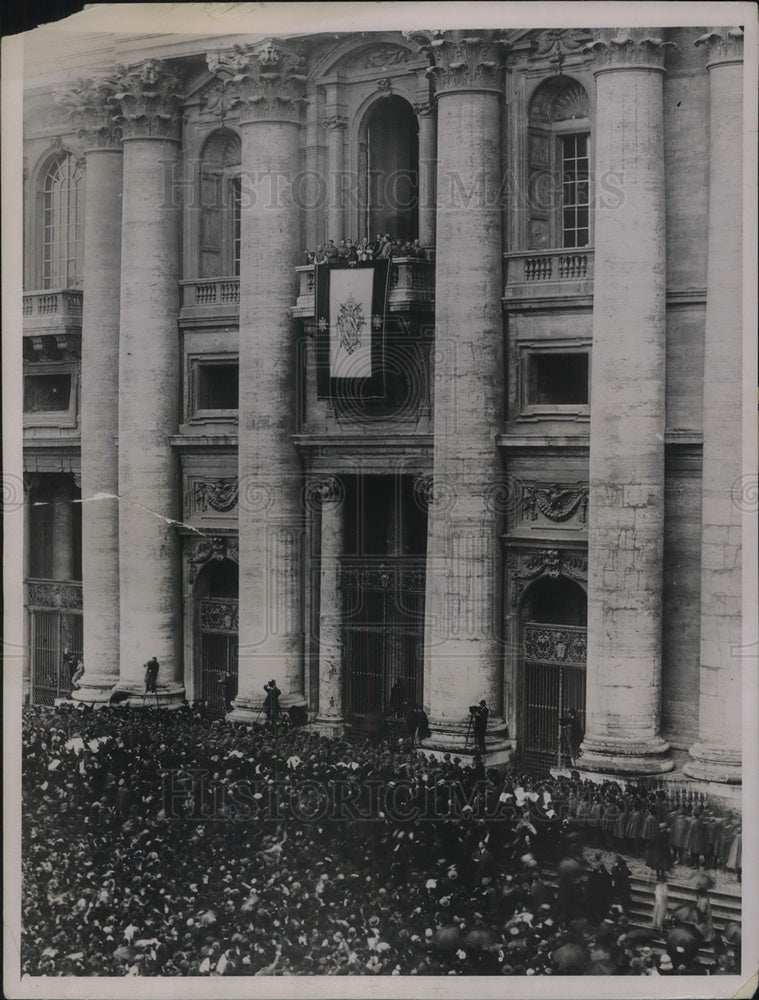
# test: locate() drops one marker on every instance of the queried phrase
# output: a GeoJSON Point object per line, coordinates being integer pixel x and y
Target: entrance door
{"type": "Point", "coordinates": [382, 639]}
{"type": "Point", "coordinates": [218, 650]}
{"type": "Point", "coordinates": [553, 683]}
{"type": "Point", "coordinates": [55, 624]}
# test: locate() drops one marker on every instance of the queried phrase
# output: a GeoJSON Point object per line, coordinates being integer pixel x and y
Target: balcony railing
{"type": "Point", "coordinates": [549, 274]}
{"type": "Point", "coordinates": [52, 309]}
{"type": "Point", "coordinates": [203, 298]}
{"type": "Point", "coordinates": [412, 286]}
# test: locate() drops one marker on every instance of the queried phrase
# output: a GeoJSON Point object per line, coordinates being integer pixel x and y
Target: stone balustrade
{"type": "Point", "coordinates": [52, 309]}
{"type": "Point", "coordinates": [412, 286]}
{"type": "Point", "coordinates": [548, 274]}
{"type": "Point", "coordinates": [203, 298]}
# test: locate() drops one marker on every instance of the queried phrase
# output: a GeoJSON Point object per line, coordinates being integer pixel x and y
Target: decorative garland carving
{"type": "Point", "coordinates": [336, 123]}
{"type": "Point", "coordinates": [54, 594]}
{"type": "Point", "coordinates": [380, 57]}
{"type": "Point", "coordinates": [556, 503]}
{"type": "Point", "coordinates": [555, 645]}
{"type": "Point", "coordinates": [218, 494]}
{"type": "Point", "coordinates": [219, 616]}
{"type": "Point", "coordinates": [265, 81]}
{"type": "Point", "coordinates": [524, 566]}
{"type": "Point", "coordinates": [210, 548]}
{"type": "Point", "coordinates": [146, 100]}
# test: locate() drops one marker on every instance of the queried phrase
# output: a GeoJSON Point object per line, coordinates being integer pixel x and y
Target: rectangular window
{"type": "Point", "coordinates": [557, 379]}
{"type": "Point", "coordinates": [217, 387]}
{"type": "Point", "coordinates": [47, 393]}
{"type": "Point", "coordinates": [576, 191]}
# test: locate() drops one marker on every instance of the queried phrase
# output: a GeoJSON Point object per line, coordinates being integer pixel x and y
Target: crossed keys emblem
{"type": "Point", "coordinates": [350, 322]}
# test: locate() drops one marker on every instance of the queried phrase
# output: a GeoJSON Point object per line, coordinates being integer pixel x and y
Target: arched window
{"type": "Point", "coordinates": [220, 206]}
{"type": "Point", "coordinates": [62, 223]}
{"type": "Point", "coordinates": [559, 166]}
{"type": "Point", "coordinates": [392, 142]}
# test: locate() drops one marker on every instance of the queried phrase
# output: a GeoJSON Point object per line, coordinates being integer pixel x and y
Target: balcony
{"type": "Point", "coordinates": [412, 287]}
{"type": "Point", "coordinates": [205, 299]}
{"type": "Point", "coordinates": [52, 311]}
{"type": "Point", "coordinates": [548, 274]}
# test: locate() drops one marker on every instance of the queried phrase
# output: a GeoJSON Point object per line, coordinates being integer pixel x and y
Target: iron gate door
{"type": "Point", "coordinates": [218, 651]}
{"type": "Point", "coordinates": [383, 629]}
{"type": "Point", "coordinates": [553, 683]}
{"type": "Point", "coordinates": [55, 624]}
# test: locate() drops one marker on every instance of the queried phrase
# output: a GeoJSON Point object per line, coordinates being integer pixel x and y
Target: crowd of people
{"type": "Point", "coordinates": [355, 252]}
{"type": "Point", "coordinates": [169, 843]}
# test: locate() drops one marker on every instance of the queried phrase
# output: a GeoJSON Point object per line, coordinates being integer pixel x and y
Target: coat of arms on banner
{"type": "Point", "coordinates": [350, 323]}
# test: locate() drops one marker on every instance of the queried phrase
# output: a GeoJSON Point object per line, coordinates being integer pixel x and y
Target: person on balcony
{"type": "Point", "coordinates": [330, 252]}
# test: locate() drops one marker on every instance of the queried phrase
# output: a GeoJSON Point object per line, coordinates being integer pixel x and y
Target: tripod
{"type": "Point", "coordinates": [468, 731]}
{"type": "Point", "coordinates": [565, 745]}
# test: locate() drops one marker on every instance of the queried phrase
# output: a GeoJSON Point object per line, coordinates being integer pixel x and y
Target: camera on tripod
{"type": "Point", "coordinates": [474, 709]}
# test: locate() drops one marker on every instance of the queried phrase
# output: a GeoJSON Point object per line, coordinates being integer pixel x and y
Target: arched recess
{"type": "Point", "coordinates": [55, 233]}
{"type": "Point", "coordinates": [220, 205]}
{"type": "Point", "coordinates": [216, 622]}
{"type": "Point", "coordinates": [552, 667]}
{"type": "Point", "coordinates": [388, 168]}
{"type": "Point", "coordinates": [558, 182]}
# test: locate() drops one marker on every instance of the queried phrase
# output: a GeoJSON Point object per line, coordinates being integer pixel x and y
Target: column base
{"type": "Point", "coordinates": [625, 756]}
{"type": "Point", "coordinates": [134, 696]}
{"type": "Point", "coordinates": [456, 739]}
{"type": "Point", "coordinates": [95, 690]}
{"type": "Point", "coordinates": [714, 763]}
{"type": "Point", "coordinates": [329, 727]}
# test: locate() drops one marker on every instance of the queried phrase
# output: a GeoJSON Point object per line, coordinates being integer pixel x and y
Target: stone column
{"type": "Point", "coordinates": [336, 125]}
{"type": "Point", "coordinates": [425, 112]}
{"type": "Point", "coordinates": [149, 383]}
{"type": "Point", "coordinates": [269, 82]}
{"type": "Point", "coordinates": [462, 648]}
{"type": "Point", "coordinates": [29, 482]}
{"type": "Point", "coordinates": [329, 515]}
{"type": "Point", "coordinates": [717, 754]}
{"type": "Point", "coordinates": [63, 530]}
{"type": "Point", "coordinates": [626, 499]}
{"type": "Point", "coordinates": [311, 190]}
{"type": "Point", "coordinates": [92, 114]}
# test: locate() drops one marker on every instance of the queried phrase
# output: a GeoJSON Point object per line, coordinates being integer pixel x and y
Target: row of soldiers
{"type": "Point", "coordinates": [676, 830]}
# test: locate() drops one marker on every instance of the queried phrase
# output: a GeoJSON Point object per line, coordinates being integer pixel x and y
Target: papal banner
{"type": "Point", "coordinates": [350, 326]}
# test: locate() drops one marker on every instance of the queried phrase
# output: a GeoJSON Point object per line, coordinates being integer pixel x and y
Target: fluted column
{"type": "Point", "coordinates": [626, 502]}
{"type": "Point", "coordinates": [63, 530]}
{"type": "Point", "coordinates": [149, 382]}
{"type": "Point", "coordinates": [336, 125]}
{"type": "Point", "coordinates": [268, 84]}
{"type": "Point", "coordinates": [425, 112]}
{"type": "Point", "coordinates": [462, 650]}
{"type": "Point", "coordinates": [717, 754]}
{"type": "Point", "coordinates": [329, 510]}
{"type": "Point", "coordinates": [92, 113]}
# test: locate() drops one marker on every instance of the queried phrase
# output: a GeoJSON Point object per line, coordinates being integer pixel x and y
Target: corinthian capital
{"type": "Point", "coordinates": [336, 123]}
{"type": "Point", "coordinates": [619, 47]}
{"type": "Point", "coordinates": [465, 60]}
{"type": "Point", "coordinates": [266, 81]}
{"type": "Point", "coordinates": [89, 103]}
{"type": "Point", "coordinates": [722, 45]}
{"type": "Point", "coordinates": [146, 100]}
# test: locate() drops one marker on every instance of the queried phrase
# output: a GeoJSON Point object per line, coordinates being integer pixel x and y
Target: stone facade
{"type": "Point", "coordinates": [535, 504]}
